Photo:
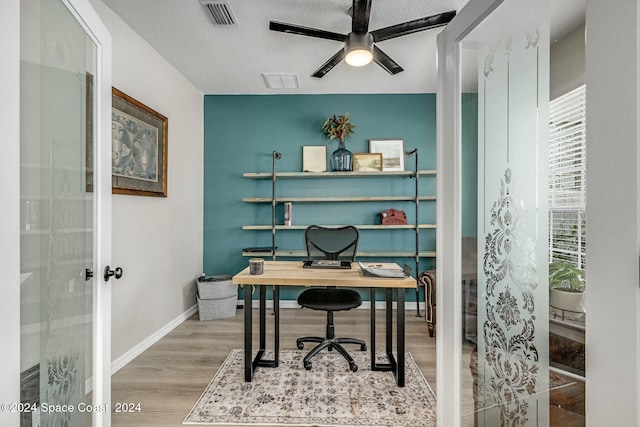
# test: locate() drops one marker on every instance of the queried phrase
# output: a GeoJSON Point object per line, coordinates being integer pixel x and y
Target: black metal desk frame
{"type": "Point", "coordinates": [396, 363]}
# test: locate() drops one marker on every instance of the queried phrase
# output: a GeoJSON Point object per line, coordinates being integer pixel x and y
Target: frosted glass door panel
{"type": "Point", "coordinates": [57, 69]}
{"type": "Point", "coordinates": [505, 300]}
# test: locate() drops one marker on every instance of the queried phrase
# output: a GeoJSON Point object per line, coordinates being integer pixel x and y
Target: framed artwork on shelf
{"type": "Point", "coordinates": [314, 158]}
{"type": "Point", "coordinates": [139, 151]}
{"type": "Point", "coordinates": [367, 162]}
{"type": "Point", "coordinates": [392, 151]}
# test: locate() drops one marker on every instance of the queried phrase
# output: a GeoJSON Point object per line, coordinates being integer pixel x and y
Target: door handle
{"type": "Point", "coordinates": [108, 272]}
{"type": "Point", "coordinates": [88, 274]}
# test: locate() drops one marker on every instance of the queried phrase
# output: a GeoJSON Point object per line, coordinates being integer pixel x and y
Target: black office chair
{"type": "Point", "coordinates": [333, 244]}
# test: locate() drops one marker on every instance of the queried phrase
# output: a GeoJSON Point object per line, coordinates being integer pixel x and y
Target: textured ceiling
{"type": "Point", "coordinates": [231, 60]}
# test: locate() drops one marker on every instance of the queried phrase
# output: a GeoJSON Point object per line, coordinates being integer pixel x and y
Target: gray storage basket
{"type": "Point", "coordinates": [217, 297]}
{"type": "Point", "coordinates": [216, 287]}
{"type": "Point", "coordinates": [211, 309]}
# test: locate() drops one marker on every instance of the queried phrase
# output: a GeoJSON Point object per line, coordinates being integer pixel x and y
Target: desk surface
{"type": "Point", "coordinates": [291, 273]}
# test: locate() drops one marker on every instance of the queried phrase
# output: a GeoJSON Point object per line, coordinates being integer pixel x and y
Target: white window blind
{"type": "Point", "coordinates": [567, 178]}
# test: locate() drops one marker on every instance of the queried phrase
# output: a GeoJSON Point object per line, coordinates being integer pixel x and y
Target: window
{"type": "Point", "coordinates": [567, 178]}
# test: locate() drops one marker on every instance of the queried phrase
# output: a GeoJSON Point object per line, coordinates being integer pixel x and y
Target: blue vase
{"type": "Point", "coordinates": [341, 159]}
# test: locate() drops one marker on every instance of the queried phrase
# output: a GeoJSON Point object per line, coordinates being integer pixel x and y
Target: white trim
{"type": "Point", "coordinates": [448, 218]}
{"type": "Point", "coordinates": [86, 16]}
{"type": "Point", "coordinates": [10, 213]}
{"type": "Point", "coordinates": [143, 345]}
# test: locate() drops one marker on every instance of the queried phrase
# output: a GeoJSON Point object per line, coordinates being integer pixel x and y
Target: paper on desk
{"type": "Point", "coordinates": [381, 272]}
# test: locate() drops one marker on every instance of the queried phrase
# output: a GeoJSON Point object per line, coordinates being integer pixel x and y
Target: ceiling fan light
{"type": "Point", "coordinates": [358, 49]}
{"type": "Point", "coordinates": [359, 57]}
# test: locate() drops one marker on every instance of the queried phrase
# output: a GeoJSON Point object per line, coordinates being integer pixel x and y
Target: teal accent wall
{"type": "Point", "coordinates": [242, 131]}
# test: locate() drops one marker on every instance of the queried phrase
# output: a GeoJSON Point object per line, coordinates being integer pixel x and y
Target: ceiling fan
{"type": "Point", "coordinates": [360, 44]}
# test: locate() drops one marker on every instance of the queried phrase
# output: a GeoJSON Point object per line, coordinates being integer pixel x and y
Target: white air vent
{"type": "Point", "coordinates": [221, 13]}
{"type": "Point", "coordinates": [281, 81]}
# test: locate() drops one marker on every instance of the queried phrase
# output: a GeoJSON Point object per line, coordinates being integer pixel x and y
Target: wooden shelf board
{"type": "Point", "coordinates": [361, 227]}
{"type": "Point", "coordinates": [285, 175]}
{"type": "Point", "coordinates": [338, 199]}
{"type": "Point", "coordinates": [369, 254]}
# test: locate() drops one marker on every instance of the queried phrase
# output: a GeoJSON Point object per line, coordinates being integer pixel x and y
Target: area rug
{"type": "Point", "coordinates": [327, 395]}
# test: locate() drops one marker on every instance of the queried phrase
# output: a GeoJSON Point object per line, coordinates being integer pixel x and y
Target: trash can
{"type": "Point", "coordinates": [217, 297]}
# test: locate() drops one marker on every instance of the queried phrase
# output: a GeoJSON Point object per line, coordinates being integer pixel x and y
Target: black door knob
{"type": "Point", "coordinates": [108, 272]}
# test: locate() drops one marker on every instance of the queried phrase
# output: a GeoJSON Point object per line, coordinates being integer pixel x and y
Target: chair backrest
{"type": "Point", "coordinates": [336, 243]}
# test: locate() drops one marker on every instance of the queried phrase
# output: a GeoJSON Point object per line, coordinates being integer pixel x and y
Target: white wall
{"type": "Point", "coordinates": [612, 214]}
{"type": "Point", "coordinates": [157, 241]}
{"type": "Point", "coordinates": [10, 211]}
{"type": "Point", "coordinates": [567, 63]}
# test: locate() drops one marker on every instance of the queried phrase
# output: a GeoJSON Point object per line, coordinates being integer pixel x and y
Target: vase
{"type": "Point", "coordinates": [341, 159]}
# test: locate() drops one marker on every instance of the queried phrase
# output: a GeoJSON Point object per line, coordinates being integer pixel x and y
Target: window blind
{"type": "Point", "coordinates": [567, 177]}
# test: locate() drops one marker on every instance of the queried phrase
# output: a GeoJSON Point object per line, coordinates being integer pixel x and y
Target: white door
{"type": "Point", "coordinates": [493, 253]}
{"type": "Point", "coordinates": [65, 197]}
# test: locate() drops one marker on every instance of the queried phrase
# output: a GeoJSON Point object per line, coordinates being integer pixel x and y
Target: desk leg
{"type": "Point", "coordinates": [396, 363]}
{"type": "Point", "coordinates": [389, 323]}
{"type": "Point", "coordinates": [276, 320]}
{"type": "Point", "coordinates": [400, 338]}
{"type": "Point", "coordinates": [372, 343]}
{"type": "Point", "coordinates": [248, 335]}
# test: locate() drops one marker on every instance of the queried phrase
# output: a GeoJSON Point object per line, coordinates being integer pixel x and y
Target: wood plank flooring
{"type": "Point", "coordinates": [169, 377]}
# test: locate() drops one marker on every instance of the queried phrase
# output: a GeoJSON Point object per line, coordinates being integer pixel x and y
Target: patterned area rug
{"type": "Point", "coordinates": [327, 395]}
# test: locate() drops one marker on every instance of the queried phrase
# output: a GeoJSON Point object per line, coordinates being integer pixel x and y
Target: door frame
{"type": "Point", "coordinates": [448, 247]}
{"type": "Point", "coordinates": [10, 213]}
{"type": "Point", "coordinates": [101, 321]}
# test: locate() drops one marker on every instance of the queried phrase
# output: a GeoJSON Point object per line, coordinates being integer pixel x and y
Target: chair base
{"type": "Point", "coordinates": [330, 344]}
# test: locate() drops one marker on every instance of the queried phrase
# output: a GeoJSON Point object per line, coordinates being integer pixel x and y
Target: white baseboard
{"type": "Point", "coordinates": [122, 361]}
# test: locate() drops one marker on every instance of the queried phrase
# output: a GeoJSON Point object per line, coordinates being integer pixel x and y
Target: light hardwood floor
{"type": "Point", "coordinates": [168, 378]}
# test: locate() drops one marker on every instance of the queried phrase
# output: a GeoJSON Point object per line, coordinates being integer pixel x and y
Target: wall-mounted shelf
{"type": "Point", "coordinates": [337, 199]}
{"type": "Point", "coordinates": [322, 175]}
{"type": "Point", "coordinates": [360, 254]}
{"type": "Point", "coordinates": [360, 227]}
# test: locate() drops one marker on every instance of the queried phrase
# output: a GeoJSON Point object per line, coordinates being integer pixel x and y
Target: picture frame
{"type": "Point", "coordinates": [314, 158]}
{"type": "Point", "coordinates": [367, 162]}
{"type": "Point", "coordinates": [392, 151]}
{"type": "Point", "coordinates": [139, 148]}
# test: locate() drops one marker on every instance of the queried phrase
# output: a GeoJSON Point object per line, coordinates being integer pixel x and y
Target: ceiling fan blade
{"type": "Point", "coordinates": [383, 60]}
{"type": "Point", "coordinates": [327, 66]}
{"type": "Point", "coordinates": [305, 31]}
{"type": "Point", "coordinates": [361, 12]}
{"type": "Point", "coordinates": [413, 26]}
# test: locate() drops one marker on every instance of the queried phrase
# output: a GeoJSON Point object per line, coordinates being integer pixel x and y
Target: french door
{"type": "Point", "coordinates": [493, 253]}
{"type": "Point", "coordinates": [65, 196]}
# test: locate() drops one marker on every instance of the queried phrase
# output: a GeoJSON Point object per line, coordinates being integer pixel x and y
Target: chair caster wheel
{"type": "Point", "coordinates": [300, 346]}
{"type": "Point", "coordinates": [363, 347]}
{"type": "Point", "coordinates": [307, 366]}
{"type": "Point", "coordinates": [353, 367]}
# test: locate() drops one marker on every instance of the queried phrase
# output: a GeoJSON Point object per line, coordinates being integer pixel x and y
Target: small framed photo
{"type": "Point", "coordinates": [139, 148]}
{"type": "Point", "coordinates": [314, 158]}
{"type": "Point", "coordinates": [367, 162]}
{"type": "Point", "coordinates": [392, 151]}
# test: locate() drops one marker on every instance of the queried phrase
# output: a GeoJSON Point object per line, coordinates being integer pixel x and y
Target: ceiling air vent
{"type": "Point", "coordinates": [221, 13]}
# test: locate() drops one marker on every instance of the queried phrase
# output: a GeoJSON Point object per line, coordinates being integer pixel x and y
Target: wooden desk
{"type": "Point", "coordinates": [291, 273]}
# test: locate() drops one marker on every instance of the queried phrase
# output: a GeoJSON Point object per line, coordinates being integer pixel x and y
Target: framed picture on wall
{"type": "Point", "coordinates": [314, 158]}
{"type": "Point", "coordinates": [367, 162]}
{"type": "Point", "coordinates": [392, 151]}
{"type": "Point", "coordinates": [139, 152]}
